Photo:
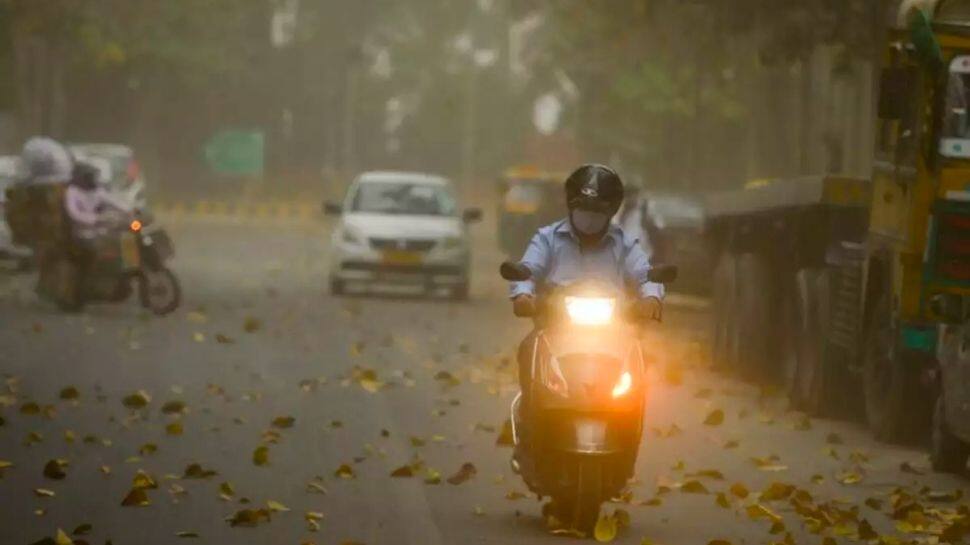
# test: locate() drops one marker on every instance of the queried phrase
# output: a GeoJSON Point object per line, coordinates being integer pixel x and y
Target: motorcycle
{"type": "Point", "coordinates": [586, 401]}
{"type": "Point", "coordinates": [138, 253]}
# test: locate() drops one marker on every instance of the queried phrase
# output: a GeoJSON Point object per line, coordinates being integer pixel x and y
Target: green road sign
{"type": "Point", "coordinates": [236, 153]}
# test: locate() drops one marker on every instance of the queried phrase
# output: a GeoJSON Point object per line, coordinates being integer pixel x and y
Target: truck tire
{"type": "Point", "coordinates": [885, 376]}
{"type": "Point", "coordinates": [948, 454]}
{"type": "Point", "coordinates": [808, 377]}
{"type": "Point", "coordinates": [724, 321]}
{"type": "Point", "coordinates": [755, 330]}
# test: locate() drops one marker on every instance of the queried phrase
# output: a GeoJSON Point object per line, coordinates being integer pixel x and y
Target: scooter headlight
{"type": "Point", "coordinates": [590, 310]}
{"type": "Point", "coordinates": [623, 385]}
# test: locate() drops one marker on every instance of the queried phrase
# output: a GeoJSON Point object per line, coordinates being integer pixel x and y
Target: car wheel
{"type": "Point", "coordinates": [460, 292]}
{"type": "Point", "coordinates": [947, 453]}
{"type": "Point", "coordinates": [337, 287]}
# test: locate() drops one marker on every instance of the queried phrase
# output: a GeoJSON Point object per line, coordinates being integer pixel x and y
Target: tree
{"type": "Point", "coordinates": [703, 92]}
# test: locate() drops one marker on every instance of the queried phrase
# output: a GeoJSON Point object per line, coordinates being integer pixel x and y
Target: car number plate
{"type": "Point", "coordinates": [401, 257]}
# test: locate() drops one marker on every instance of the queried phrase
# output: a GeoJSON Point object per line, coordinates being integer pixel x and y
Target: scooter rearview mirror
{"type": "Point", "coordinates": [514, 272]}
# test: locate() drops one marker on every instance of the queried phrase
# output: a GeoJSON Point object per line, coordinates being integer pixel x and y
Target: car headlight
{"type": "Point", "coordinates": [590, 310]}
{"type": "Point", "coordinates": [452, 243]}
{"type": "Point", "coordinates": [350, 237]}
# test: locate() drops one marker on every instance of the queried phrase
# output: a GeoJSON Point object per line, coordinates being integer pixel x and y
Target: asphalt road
{"type": "Point", "coordinates": [259, 338]}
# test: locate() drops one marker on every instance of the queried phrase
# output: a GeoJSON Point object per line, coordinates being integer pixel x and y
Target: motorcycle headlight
{"type": "Point", "coordinates": [590, 310]}
{"type": "Point", "coordinates": [451, 243]}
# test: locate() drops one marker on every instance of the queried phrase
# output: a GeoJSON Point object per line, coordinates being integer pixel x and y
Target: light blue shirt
{"type": "Point", "coordinates": [556, 259]}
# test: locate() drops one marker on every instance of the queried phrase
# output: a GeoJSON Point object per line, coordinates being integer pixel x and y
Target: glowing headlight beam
{"type": "Point", "coordinates": [623, 385]}
{"type": "Point", "coordinates": [590, 310]}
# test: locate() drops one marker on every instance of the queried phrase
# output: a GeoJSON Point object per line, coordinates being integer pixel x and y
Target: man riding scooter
{"type": "Point", "coordinates": [95, 215]}
{"type": "Point", "coordinates": [583, 246]}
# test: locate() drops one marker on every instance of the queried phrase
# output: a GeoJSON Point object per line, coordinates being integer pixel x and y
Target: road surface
{"type": "Point", "coordinates": [373, 384]}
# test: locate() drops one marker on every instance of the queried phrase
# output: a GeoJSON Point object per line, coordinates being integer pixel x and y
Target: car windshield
{"type": "Point", "coordinates": [413, 199]}
{"type": "Point", "coordinates": [117, 162]}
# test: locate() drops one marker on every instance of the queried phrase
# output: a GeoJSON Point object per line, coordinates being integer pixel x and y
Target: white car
{"type": "Point", "coordinates": [401, 228]}
{"type": "Point", "coordinates": [10, 172]}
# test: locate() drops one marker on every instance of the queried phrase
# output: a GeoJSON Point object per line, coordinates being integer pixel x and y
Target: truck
{"type": "Point", "coordinates": [836, 287]}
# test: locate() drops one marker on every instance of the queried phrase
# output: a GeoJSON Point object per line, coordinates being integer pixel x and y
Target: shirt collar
{"type": "Point", "coordinates": [565, 228]}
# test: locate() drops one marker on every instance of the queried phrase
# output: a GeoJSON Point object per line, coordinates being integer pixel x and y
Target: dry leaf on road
{"type": "Point", "coordinates": [467, 471]}
{"type": "Point", "coordinates": [714, 418]}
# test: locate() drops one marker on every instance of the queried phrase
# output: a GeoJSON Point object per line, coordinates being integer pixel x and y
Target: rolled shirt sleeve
{"type": "Point", "coordinates": [636, 267]}
{"type": "Point", "coordinates": [536, 258]}
{"type": "Point", "coordinates": [78, 207]}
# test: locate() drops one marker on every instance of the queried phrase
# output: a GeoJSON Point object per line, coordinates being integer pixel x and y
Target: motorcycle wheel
{"type": "Point", "coordinates": [66, 287]}
{"type": "Point", "coordinates": [589, 495]}
{"type": "Point", "coordinates": [159, 291]}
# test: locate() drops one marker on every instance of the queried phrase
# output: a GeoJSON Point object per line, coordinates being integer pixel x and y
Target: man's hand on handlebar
{"type": "Point", "coordinates": [524, 306]}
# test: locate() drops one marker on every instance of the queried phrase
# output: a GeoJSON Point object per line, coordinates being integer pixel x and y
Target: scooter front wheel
{"type": "Point", "coordinates": [159, 291]}
{"type": "Point", "coordinates": [585, 505]}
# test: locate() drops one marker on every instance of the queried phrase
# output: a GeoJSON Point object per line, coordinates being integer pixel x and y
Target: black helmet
{"type": "Point", "coordinates": [84, 175]}
{"type": "Point", "coordinates": [594, 187]}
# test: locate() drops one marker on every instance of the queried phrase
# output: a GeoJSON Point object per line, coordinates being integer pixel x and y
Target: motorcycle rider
{"type": "Point", "coordinates": [584, 245]}
{"type": "Point", "coordinates": [93, 211]}
{"type": "Point", "coordinates": [87, 203]}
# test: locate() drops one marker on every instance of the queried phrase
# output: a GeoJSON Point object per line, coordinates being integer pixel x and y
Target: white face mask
{"type": "Point", "coordinates": [589, 223]}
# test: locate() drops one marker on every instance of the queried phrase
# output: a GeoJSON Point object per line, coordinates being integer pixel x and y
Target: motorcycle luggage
{"type": "Point", "coordinates": [36, 216]}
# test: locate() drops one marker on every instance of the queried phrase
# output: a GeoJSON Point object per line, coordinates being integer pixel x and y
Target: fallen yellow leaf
{"type": "Point", "coordinates": [605, 530]}
{"type": "Point", "coordinates": [261, 455]}
{"type": "Point", "coordinates": [714, 418]}
{"type": "Point", "coordinates": [276, 506]}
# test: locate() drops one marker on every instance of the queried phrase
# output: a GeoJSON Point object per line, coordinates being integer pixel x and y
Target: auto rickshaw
{"type": "Point", "coordinates": [529, 199]}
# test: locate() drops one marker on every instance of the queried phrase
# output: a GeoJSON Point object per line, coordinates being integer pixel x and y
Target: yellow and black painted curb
{"type": "Point", "coordinates": [268, 211]}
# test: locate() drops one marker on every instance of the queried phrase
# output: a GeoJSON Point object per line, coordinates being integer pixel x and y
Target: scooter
{"type": "Point", "coordinates": [584, 421]}
{"type": "Point", "coordinates": [138, 253]}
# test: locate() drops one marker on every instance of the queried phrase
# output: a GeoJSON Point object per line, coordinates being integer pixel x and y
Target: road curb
{"type": "Point", "coordinates": [278, 210]}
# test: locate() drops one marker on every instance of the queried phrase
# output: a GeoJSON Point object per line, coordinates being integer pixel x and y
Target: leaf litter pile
{"type": "Point", "coordinates": [783, 509]}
